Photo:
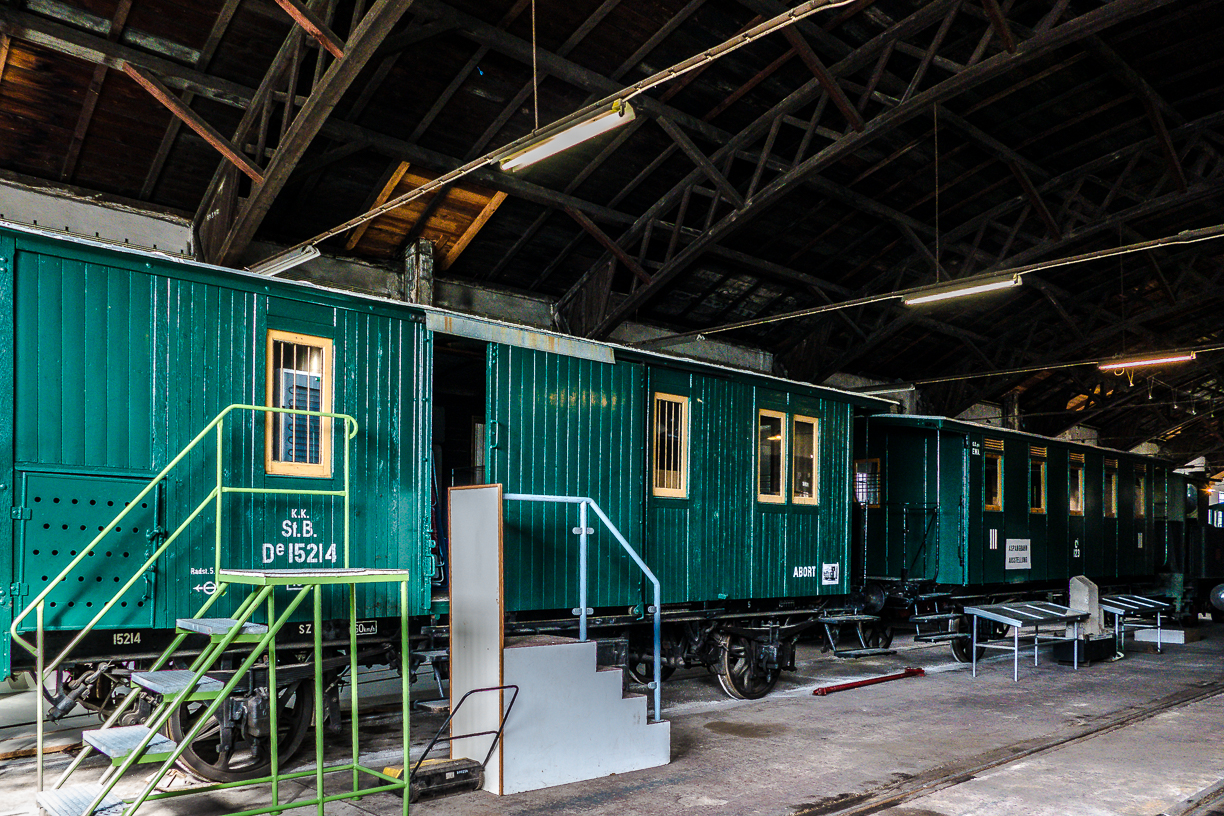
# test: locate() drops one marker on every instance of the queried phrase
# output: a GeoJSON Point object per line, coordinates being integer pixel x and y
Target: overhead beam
{"type": "Point", "coordinates": [1026, 184]}
{"type": "Point", "coordinates": [999, 23]}
{"type": "Point", "coordinates": [383, 196]}
{"type": "Point", "coordinates": [818, 69]}
{"type": "Point", "coordinates": [233, 239]}
{"type": "Point", "coordinates": [595, 232]}
{"type": "Point", "coordinates": [313, 25]}
{"type": "Point", "coordinates": [701, 160]}
{"type": "Point", "coordinates": [475, 227]}
{"type": "Point", "coordinates": [1060, 36]}
{"type": "Point", "coordinates": [190, 118]}
{"type": "Point", "coordinates": [117, 24]}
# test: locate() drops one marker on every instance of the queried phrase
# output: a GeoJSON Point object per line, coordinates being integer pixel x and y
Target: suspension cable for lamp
{"type": "Point", "coordinates": [535, 74]}
{"type": "Point", "coordinates": [937, 253]}
{"type": "Point", "coordinates": [681, 68]}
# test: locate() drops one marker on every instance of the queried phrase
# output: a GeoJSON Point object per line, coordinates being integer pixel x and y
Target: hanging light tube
{"type": "Point", "coordinates": [962, 289]}
{"type": "Point", "coordinates": [619, 114]}
{"type": "Point", "coordinates": [282, 263]}
{"type": "Point", "coordinates": [1160, 359]}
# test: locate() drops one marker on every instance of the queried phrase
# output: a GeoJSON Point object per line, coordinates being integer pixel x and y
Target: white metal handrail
{"type": "Point", "coordinates": [583, 532]}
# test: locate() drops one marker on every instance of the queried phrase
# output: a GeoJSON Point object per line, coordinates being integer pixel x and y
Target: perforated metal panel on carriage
{"type": "Point", "coordinates": [64, 513]}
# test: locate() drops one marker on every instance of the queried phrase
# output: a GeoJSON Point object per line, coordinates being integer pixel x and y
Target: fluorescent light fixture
{"type": "Point", "coordinates": [620, 113]}
{"type": "Point", "coordinates": [1160, 358]}
{"type": "Point", "coordinates": [962, 289]}
{"type": "Point", "coordinates": [282, 263]}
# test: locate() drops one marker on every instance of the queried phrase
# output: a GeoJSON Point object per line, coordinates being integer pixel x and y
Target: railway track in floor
{"type": "Point", "coordinates": [957, 773]}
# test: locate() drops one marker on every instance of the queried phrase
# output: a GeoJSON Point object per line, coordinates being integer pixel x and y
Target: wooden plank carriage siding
{"type": "Point", "coordinates": [720, 543]}
{"type": "Point", "coordinates": [1062, 543]}
{"type": "Point", "coordinates": [121, 359]}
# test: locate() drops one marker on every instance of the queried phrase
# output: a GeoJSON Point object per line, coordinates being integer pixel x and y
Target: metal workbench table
{"type": "Point", "coordinates": [1133, 606]}
{"type": "Point", "coordinates": [1023, 614]}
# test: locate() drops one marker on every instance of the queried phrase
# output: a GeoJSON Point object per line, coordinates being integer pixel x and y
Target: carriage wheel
{"type": "Point", "coordinates": [248, 757]}
{"type": "Point", "coordinates": [741, 677]}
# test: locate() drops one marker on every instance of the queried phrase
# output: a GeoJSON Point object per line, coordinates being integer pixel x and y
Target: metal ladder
{"type": "Point", "coordinates": [130, 745]}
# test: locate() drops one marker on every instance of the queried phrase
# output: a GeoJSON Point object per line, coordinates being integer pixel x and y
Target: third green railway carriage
{"type": "Point", "coordinates": [974, 509]}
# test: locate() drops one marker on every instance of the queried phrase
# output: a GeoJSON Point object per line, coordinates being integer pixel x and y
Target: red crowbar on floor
{"type": "Point", "coordinates": [871, 681]}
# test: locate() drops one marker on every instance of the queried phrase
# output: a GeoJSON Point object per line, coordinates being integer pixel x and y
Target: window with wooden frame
{"type": "Point", "coordinates": [670, 459]}
{"type": "Point", "coordinates": [299, 372]}
{"type": "Point", "coordinates": [1110, 499]}
{"type": "Point", "coordinates": [867, 482]}
{"type": "Point", "coordinates": [805, 437]}
{"type": "Point", "coordinates": [771, 457]}
{"type": "Point", "coordinates": [1037, 481]}
{"type": "Point", "coordinates": [992, 481]}
{"type": "Point", "coordinates": [1160, 509]}
{"type": "Point", "coordinates": [1075, 488]}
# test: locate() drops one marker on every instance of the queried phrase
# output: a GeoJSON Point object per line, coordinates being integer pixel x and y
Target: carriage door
{"type": "Point", "coordinates": [60, 515]}
{"type": "Point", "coordinates": [569, 426]}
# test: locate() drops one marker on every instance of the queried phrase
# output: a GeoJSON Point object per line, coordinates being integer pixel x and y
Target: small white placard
{"type": "Point", "coordinates": [830, 574]}
{"type": "Point", "coordinates": [1140, 541]}
{"type": "Point", "coordinates": [1018, 555]}
{"type": "Point", "coordinates": [994, 539]}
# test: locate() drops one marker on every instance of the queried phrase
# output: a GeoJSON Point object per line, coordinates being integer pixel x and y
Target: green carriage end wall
{"type": "Point", "coordinates": [1062, 544]}
{"type": "Point", "coordinates": [121, 359]}
{"type": "Point", "coordinates": [571, 427]}
{"type": "Point", "coordinates": [719, 542]}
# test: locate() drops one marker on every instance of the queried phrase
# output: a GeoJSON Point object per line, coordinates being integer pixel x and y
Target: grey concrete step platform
{"type": "Point", "coordinates": [119, 743]}
{"type": "Point", "coordinates": [215, 627]}
{"type": "Point", "coordinates": [169, 682]}
{"type": "Point", "coordinates": [72, 801]}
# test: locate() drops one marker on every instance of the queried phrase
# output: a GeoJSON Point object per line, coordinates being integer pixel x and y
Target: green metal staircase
{"type": "Point", "coordinates": [130, 745]}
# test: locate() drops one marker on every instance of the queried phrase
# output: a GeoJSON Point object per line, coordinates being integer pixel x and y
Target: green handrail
{"type": "Point", "coordinates": [217, 494]}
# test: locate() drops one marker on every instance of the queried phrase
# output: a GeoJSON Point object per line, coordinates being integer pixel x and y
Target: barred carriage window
{"type": "Point", "coordinates": [1111, 494]}
{"type": "Point", "coordinates": [1037, 485]}
{"type": "Point", "coordinates": [1075, 490]}
{"type": "Point", "coordinates": [299, 376]}
{"type": "Point", "coordinates": [993, 481]}
{"type": "Point", "coordinates": [771, 459]}
{"type": "Point", "coordinates": [803, 460]}
{"type": "Point", "coordinates": [867, 482]}
{"type": "Point", "coordinates": [670, 455]}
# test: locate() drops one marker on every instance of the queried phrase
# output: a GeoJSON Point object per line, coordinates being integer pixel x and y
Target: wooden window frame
{"type": "Point", "coordinates": [276, 467]}
{"type": "Point", "coordinates": [998, 457]}
{"type": "Point", "coordinates": [769, 498]}
{"type": "Point", "coordinates": [813, 499]}
{"type": "Point", "coordinates": [1045, 496]}
{"type": "Point", "coordinates": [1109, 498]}
{"type": "Point", "coordinates": [1076, 472]}
{"type": "Point", "coordinates": [655, 489]}
{"type": "Point", "coordinates": [1141, 490]}
{"type": "Point", "coordinates": [878, 482]}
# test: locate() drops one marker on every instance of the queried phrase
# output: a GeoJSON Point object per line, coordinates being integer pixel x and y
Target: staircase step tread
{"type": "Point", "coordinates": [847, 618]}
{"type": "Point", "coordinates": [934, 617]}
{"type": "Point", "coordinates": [218, 626]}
{"type": "Point", "coordinates": [929, 596]}
{"type": "Point", "coordinates": [940, 637]}
{"type": "Point", "coordinates": [173, 681]}
{"type": "Point", "coordinates": [72, 801]}
{"type": "Point", "coordinates": [117, 743]}
{"type": "Point", "coordinates": [862, 652]}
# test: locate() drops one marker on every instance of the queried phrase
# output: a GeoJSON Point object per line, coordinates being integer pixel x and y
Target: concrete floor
{"type": "Point", "coordinates": [1143, 735]}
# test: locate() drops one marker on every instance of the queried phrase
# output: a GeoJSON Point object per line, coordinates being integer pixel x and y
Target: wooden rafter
{"type": "Point", "coordinates": [118, 22]}
{"type": "Point", "coordinates": [595, 232]}
{"type": "Point", "coordinates": [313, 25]}
{"type": "Point", "coordinates": [190, 118]}
{"type": "Point", "coordinates": [4, 51]}
{"type": "Point", "coordinates": [826, 79]}
{"type": "Point", "coordinates": [385, 193]}
{"type": "Point", "coordinates": [455, 251]}
{"type": "Point", "coordinates": [232, 223]}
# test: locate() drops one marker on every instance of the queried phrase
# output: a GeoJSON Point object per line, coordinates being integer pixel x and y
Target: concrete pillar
{"type": "Point", "coordinates": [1011, 410]}
{"type": "Point", "coordinates": [1084, 595]}
{"type": "Point", "coordinates": [418, 278]}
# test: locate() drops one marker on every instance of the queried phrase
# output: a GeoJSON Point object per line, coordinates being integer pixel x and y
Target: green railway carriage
{"type": "Point", "coordinates": [733, 486]}
{"type": "Point", "coordinates": [969, 508]}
